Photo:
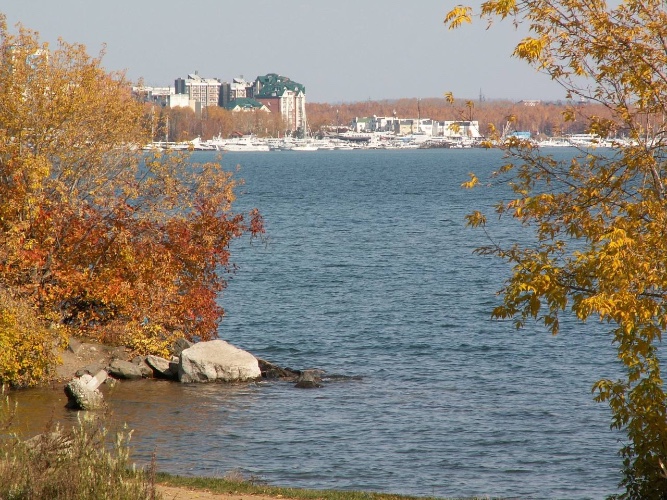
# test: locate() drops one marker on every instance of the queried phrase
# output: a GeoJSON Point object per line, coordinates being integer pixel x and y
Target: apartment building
{"type": "Point", "coordinates": [205, 91]}
{"type": "Point", "coordinates": [281, 95]}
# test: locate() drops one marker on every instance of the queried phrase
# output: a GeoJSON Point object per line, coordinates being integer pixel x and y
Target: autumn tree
{"type": "Point", "coordinates": [599, 218]}
{"type": "Point", "coordinates": [97, 236]}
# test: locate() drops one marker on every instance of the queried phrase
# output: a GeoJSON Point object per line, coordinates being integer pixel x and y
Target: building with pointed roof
{"type": "Point", "coordinates": [282, 95]}
{"type": "Point", "coordinates": [245, 104]}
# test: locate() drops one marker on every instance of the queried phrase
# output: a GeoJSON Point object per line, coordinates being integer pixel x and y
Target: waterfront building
{"type": "Point", "coordinates": [154, 95]}
{"type": "Point", "coordinates": [281, 95]}
{"type": "Point", "coordinates": [179, 86]}
{"type": "Point", "coordinates": [164, 96]}
{"type": "Point", "coordinates": [410, 126]}
{"type": "Point", "coordinates": [468, 129]}
{"type": "Point", "coordinates": [361, 124]}
{"type": "Point", "coordinates": [238, 88]}
{"type": "Point", "coordinates": [383, 123]}
{"type": "Point", "coordinates": [203, 90]}
{"type": "Point", "coordinates": [246, 104]}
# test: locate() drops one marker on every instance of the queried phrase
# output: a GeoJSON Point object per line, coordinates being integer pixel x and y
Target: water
{"type": "Point", "coordinates": [368, 271]}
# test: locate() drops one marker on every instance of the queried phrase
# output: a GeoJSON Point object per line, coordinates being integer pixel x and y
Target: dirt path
{"type": "Point", "coordinates": [177, 493]}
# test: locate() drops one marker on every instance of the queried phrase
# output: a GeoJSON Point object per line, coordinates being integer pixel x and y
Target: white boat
{"type": "Point", "coordinates": [304, 147]}
{"type": "Point", "coordinates": [588, 141]}
{"type": "Point", "coordinates": [554, 142]}
{"type": "Point", "coordinates": [245, 143]}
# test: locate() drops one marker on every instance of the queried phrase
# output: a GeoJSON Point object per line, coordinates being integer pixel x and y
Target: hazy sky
{"type": "Point", "coordinates": [341, 50]}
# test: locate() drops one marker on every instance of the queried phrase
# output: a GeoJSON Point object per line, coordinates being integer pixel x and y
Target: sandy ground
{"type": "Point", "coordinates": [173, 493]}
{"type": "Point", "coordinates": [86, 354]}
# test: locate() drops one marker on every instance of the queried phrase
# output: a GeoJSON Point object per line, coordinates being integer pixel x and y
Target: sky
{"type": "Point", "coordinates": [340, 50]}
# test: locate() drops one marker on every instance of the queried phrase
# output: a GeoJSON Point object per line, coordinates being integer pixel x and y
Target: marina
{"type": "Point", "coordinates": [343, 142]}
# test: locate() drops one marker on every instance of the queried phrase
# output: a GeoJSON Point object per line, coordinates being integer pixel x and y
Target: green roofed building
{"type": "Point", "coordinates": [282, 95]}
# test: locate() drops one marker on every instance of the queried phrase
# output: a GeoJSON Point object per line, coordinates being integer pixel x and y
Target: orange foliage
{"type": "Point", "coordinates": [96, 234]}
{"type": "Point", "coordinates": [546, 118]}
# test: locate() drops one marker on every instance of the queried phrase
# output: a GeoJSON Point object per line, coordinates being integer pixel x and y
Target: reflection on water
{"type": "Point", "coordinates": [150, 406]}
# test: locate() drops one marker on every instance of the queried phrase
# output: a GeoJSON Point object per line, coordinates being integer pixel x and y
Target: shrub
{"type": "Point", "coordinates": [27, 347]}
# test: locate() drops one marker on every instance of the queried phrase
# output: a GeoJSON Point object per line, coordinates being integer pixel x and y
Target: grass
{"type": "Point", "coordinates": [82, 463]}
{"type": "Point", "coordinates": [239, 485]}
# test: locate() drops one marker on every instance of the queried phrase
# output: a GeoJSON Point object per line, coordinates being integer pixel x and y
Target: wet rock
{"type": "Point", "coordinates": [273, 371]}
{"type": "Point", "coordinates": [217, 360]}
{"type": "Point", "coordinates": [309, 379]}
{"type": "Point", "coordinates": [146, 370]}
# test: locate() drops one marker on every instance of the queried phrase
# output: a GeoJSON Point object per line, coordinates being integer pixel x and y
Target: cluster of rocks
{"type": "Point", "coordinates": [211, 361]}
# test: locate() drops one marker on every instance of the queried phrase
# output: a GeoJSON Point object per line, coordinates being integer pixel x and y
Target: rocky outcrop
{"type": "Point", "coordinates": [210, 361]}
{"type": "Point", "coordinates": [83, 393]}
{"type": "Point", "coordinates": [217, 360]}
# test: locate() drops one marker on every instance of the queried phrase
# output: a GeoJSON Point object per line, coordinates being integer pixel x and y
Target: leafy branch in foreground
{"type": "Point", "coordinates": [599, 218]}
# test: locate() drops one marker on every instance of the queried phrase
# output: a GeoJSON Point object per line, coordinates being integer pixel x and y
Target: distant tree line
{"type": "Point", "coordinates": [543, 119]}
{"type": "Point", "coordinates": [183, 124]}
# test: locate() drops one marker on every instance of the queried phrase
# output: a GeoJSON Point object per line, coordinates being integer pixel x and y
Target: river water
{"type": "Point", "coordinates": [368, 271]}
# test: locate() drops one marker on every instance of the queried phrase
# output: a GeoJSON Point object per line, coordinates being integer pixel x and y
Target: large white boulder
{"type": "Point", "coordinates": [217, 360]}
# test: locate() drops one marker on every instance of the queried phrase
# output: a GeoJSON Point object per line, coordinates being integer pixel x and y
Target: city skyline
{"type": "Point", "coordinates": [343, 52]}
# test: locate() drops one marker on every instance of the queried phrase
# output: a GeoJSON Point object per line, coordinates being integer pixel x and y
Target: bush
{"type": "Point", "coordinates": [27, 347]}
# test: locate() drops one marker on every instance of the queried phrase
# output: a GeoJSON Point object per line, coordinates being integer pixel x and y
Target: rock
{"type": "Point", "coordinates": [217, 360]}
{"type": "Point", "coordinates": [173, 365]}
{"type": "Point", "coordinates": [146, 371]}
{"type": "Point", "coordinates": [309, 379]}
{"type": "Point", "coordinates": [73, 345]}
{"type": "Point", "coordinates": [125, 370]}
{"type": "Point", "coordinates": [82, 392]}
{"type": "Point", "coordinates": [179, 346]}
{"type": "Point", "coordinates": [91, 368]}
{"type": "Point", "coordinates": [272, 371]}
{"type": "Point", "coordinates": [162, 368]}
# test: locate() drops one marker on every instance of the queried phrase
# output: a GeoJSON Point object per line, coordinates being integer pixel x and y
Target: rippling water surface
{"type": "Point", "coordinates": [368, 271]}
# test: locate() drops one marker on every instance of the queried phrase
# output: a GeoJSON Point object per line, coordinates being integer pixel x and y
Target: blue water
{"type": "Point", "coordinates": [368, 271]}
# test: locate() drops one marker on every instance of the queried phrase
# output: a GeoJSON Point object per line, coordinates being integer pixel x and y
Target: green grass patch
{"type": "Point", "coordinates": [239, 485]}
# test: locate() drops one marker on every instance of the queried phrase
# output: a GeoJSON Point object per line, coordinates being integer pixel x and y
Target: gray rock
{"type": "Point", "coordinates": [83, 394]}
{"type": "Point", "coordinates": [217, 360]}
{"type": "Point", "coordinates": [273, 371]}
{"type": "Point", "coordinates": [146, 370]}
{"type": "Point", "coordinates": [161, 367]}
{"type": "Point", "coordinates": [179, 346]}
{"type": "Point", "coordinates": [125, 370]}
{"type": "Point", "coordinates": [90, 369]}
{"type": "Point", "coordinates": [309, 379]}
